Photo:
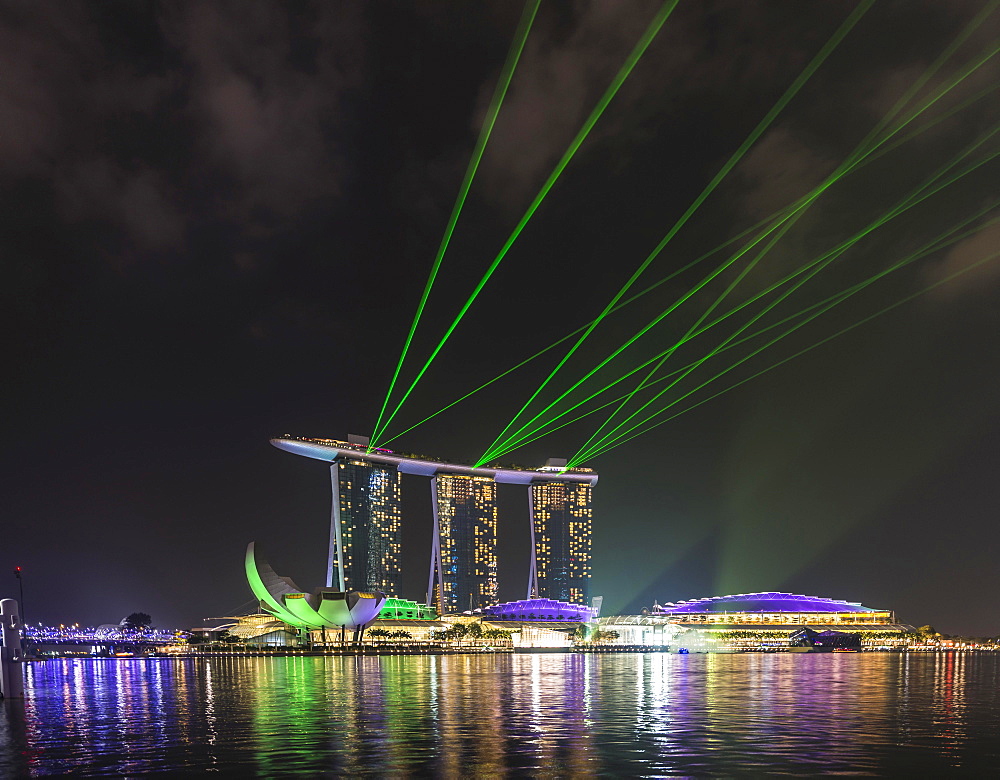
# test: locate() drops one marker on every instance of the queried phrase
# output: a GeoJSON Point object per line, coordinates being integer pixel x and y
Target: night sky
{"type": "Point", "coordinates": [219, 217]}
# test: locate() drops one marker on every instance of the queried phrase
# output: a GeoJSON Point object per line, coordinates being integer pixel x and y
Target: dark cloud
{"type": "Point", "coordinates": [554, 90]}
{"type": "Point", "coordinates": [261, 89]}
{"type": "Point", "coordinates": [41, 54]}
{"type": "Point", "coordinates": [266, 114]}
{"type": "Point", "coordinates": [778, 170]}
{"type": "Point", "coordinates": [63, 103]}
{"type": "Point", "coordinates": [982, 280]}
{"type": "Point", "coordinates": [139, 202]}
{"type": "Point", "coordinates": [567, 65]}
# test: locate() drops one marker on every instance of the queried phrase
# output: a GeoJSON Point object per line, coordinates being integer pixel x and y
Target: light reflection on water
{"type": "Point", "coordinates": [545, 714]}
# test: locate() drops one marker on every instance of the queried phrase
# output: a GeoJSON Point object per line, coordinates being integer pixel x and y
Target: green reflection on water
{"type": "Point", "coordinates": [556, 715]}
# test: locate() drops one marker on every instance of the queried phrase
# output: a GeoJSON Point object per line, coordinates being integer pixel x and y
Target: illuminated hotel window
{"type": "Point", "coordinates": [371, 526]}
{"type": "Point", "coordinates": [562, 526]}
{"type": "Point", "coordinates": [467, 521]}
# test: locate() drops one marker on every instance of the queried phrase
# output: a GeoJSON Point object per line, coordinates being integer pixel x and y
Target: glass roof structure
{"type": "Point", "coordinates": [404, 609]}
{"type": "Point", "coordinates": [539, 610]}
{"type": "Point", "coordinates": [761, 602]}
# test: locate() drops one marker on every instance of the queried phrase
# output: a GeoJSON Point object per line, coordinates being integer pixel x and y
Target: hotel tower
{"type": "Point", "coordinates": [561, 526]}
{"type": "Point", "coordinates": [366, 527]}
{"type": "Point", "coordinates": [464, 547]}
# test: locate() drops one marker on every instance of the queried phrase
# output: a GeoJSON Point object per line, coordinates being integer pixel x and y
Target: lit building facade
{"type": "Point", "coordinates": [367, 527]}
{"type": "Point", "coordinates": [773, 619]}
{"type": "Point", "coordinates": [404, 609]}
{"type": "Point", "coordinates": [463, 572]}
{"type": "Point", "coordinates": [562, 518]}
{"type": "Point", "coordinates": [533, 610]}
{"type": "Point", "coordinates": [772, 607]}
{"type": "Point", "coordinates": [761, 621]}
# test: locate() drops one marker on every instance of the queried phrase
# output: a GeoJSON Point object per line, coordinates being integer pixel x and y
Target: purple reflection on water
{"type": "Point", "coordinates": [559, 714]}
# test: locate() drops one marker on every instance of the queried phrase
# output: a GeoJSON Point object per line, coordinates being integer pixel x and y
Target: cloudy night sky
{"type": "Point", "coordinates": [219, 218]}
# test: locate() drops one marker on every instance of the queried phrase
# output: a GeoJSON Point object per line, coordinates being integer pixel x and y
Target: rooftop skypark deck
{"type": "Point", "coordinates": [331, 449]}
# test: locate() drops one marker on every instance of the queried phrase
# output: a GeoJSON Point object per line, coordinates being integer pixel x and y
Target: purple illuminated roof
{"type": "Point", "coordinates": [540, 609]}
{"type": "Point", "coordinates": [762, 602]}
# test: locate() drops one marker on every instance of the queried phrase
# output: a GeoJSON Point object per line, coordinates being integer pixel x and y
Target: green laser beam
{"type": "Point", "coordinates": [935, 245]}
{"type": "Point", "coordinates": [859, 150]}
{"type": "Point", "coordinates": [719, 319]}
{"type": "Point", "coordinates": [687, 336]}
{"type": "Point", "coordinates": [863, 161]}
{"type": "Point", "coordinates": [839, 333]}
{"type": "Point", "coordinates": [581, 136]}
{"type": "Point", "coordinates": [948, 51]}
{"type": "Point", "coordinates": [506, 75]}
{"type": "Point", "coordinates": [826, 304]}
{"type": "Point", "coordinates": [803, 202]}
{"type": "Point", "coordinates": [839, 251]}
{"type": "Point", "coordinates": [919, 195]}
{"type": "Point", "coordinates": [943, 57]}
{"type": "Point", "coordinates": [741, 306]}
{"type": "Point", "coordinates": [836, 298]}
{"type": "Point", "coordinates": [656, 285]}
{"type": "Point", "coordinates": [803, 77]}
{"type": "Point", "coordinates": [513, 440]}
{"type": "Point", "coordinates": [881, 151]}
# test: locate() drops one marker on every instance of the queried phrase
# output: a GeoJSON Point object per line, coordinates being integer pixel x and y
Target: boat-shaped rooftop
{"type": "Point", "coordinates": [408, 463]}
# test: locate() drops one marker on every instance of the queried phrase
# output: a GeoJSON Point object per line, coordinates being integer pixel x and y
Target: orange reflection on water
{"type": "Point", "coordinates": [531, 714]}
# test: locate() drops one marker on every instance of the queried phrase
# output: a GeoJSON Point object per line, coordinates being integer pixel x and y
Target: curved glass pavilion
{"type": "Point", "coordinates": [404, 609]}
{"type": "Point", "coordinates": [772, 607]}
{"type": "Point", "coordinates": [540, 610]}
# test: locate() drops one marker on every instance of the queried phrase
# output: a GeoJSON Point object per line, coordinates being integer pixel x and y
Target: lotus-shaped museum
{"type": "Point", "coordinates": [323, 608]}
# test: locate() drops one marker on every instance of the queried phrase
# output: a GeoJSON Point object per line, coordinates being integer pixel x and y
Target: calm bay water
{"type": "Point", "coordinates": [549, 715]}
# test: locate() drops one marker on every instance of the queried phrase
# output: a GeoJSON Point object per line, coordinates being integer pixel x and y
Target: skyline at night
{"type": "Point", "coordinates": [738, 259]}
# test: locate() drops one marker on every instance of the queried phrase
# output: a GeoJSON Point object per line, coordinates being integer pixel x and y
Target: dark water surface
{"type": "Point", "coordinates": [927, 715]}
